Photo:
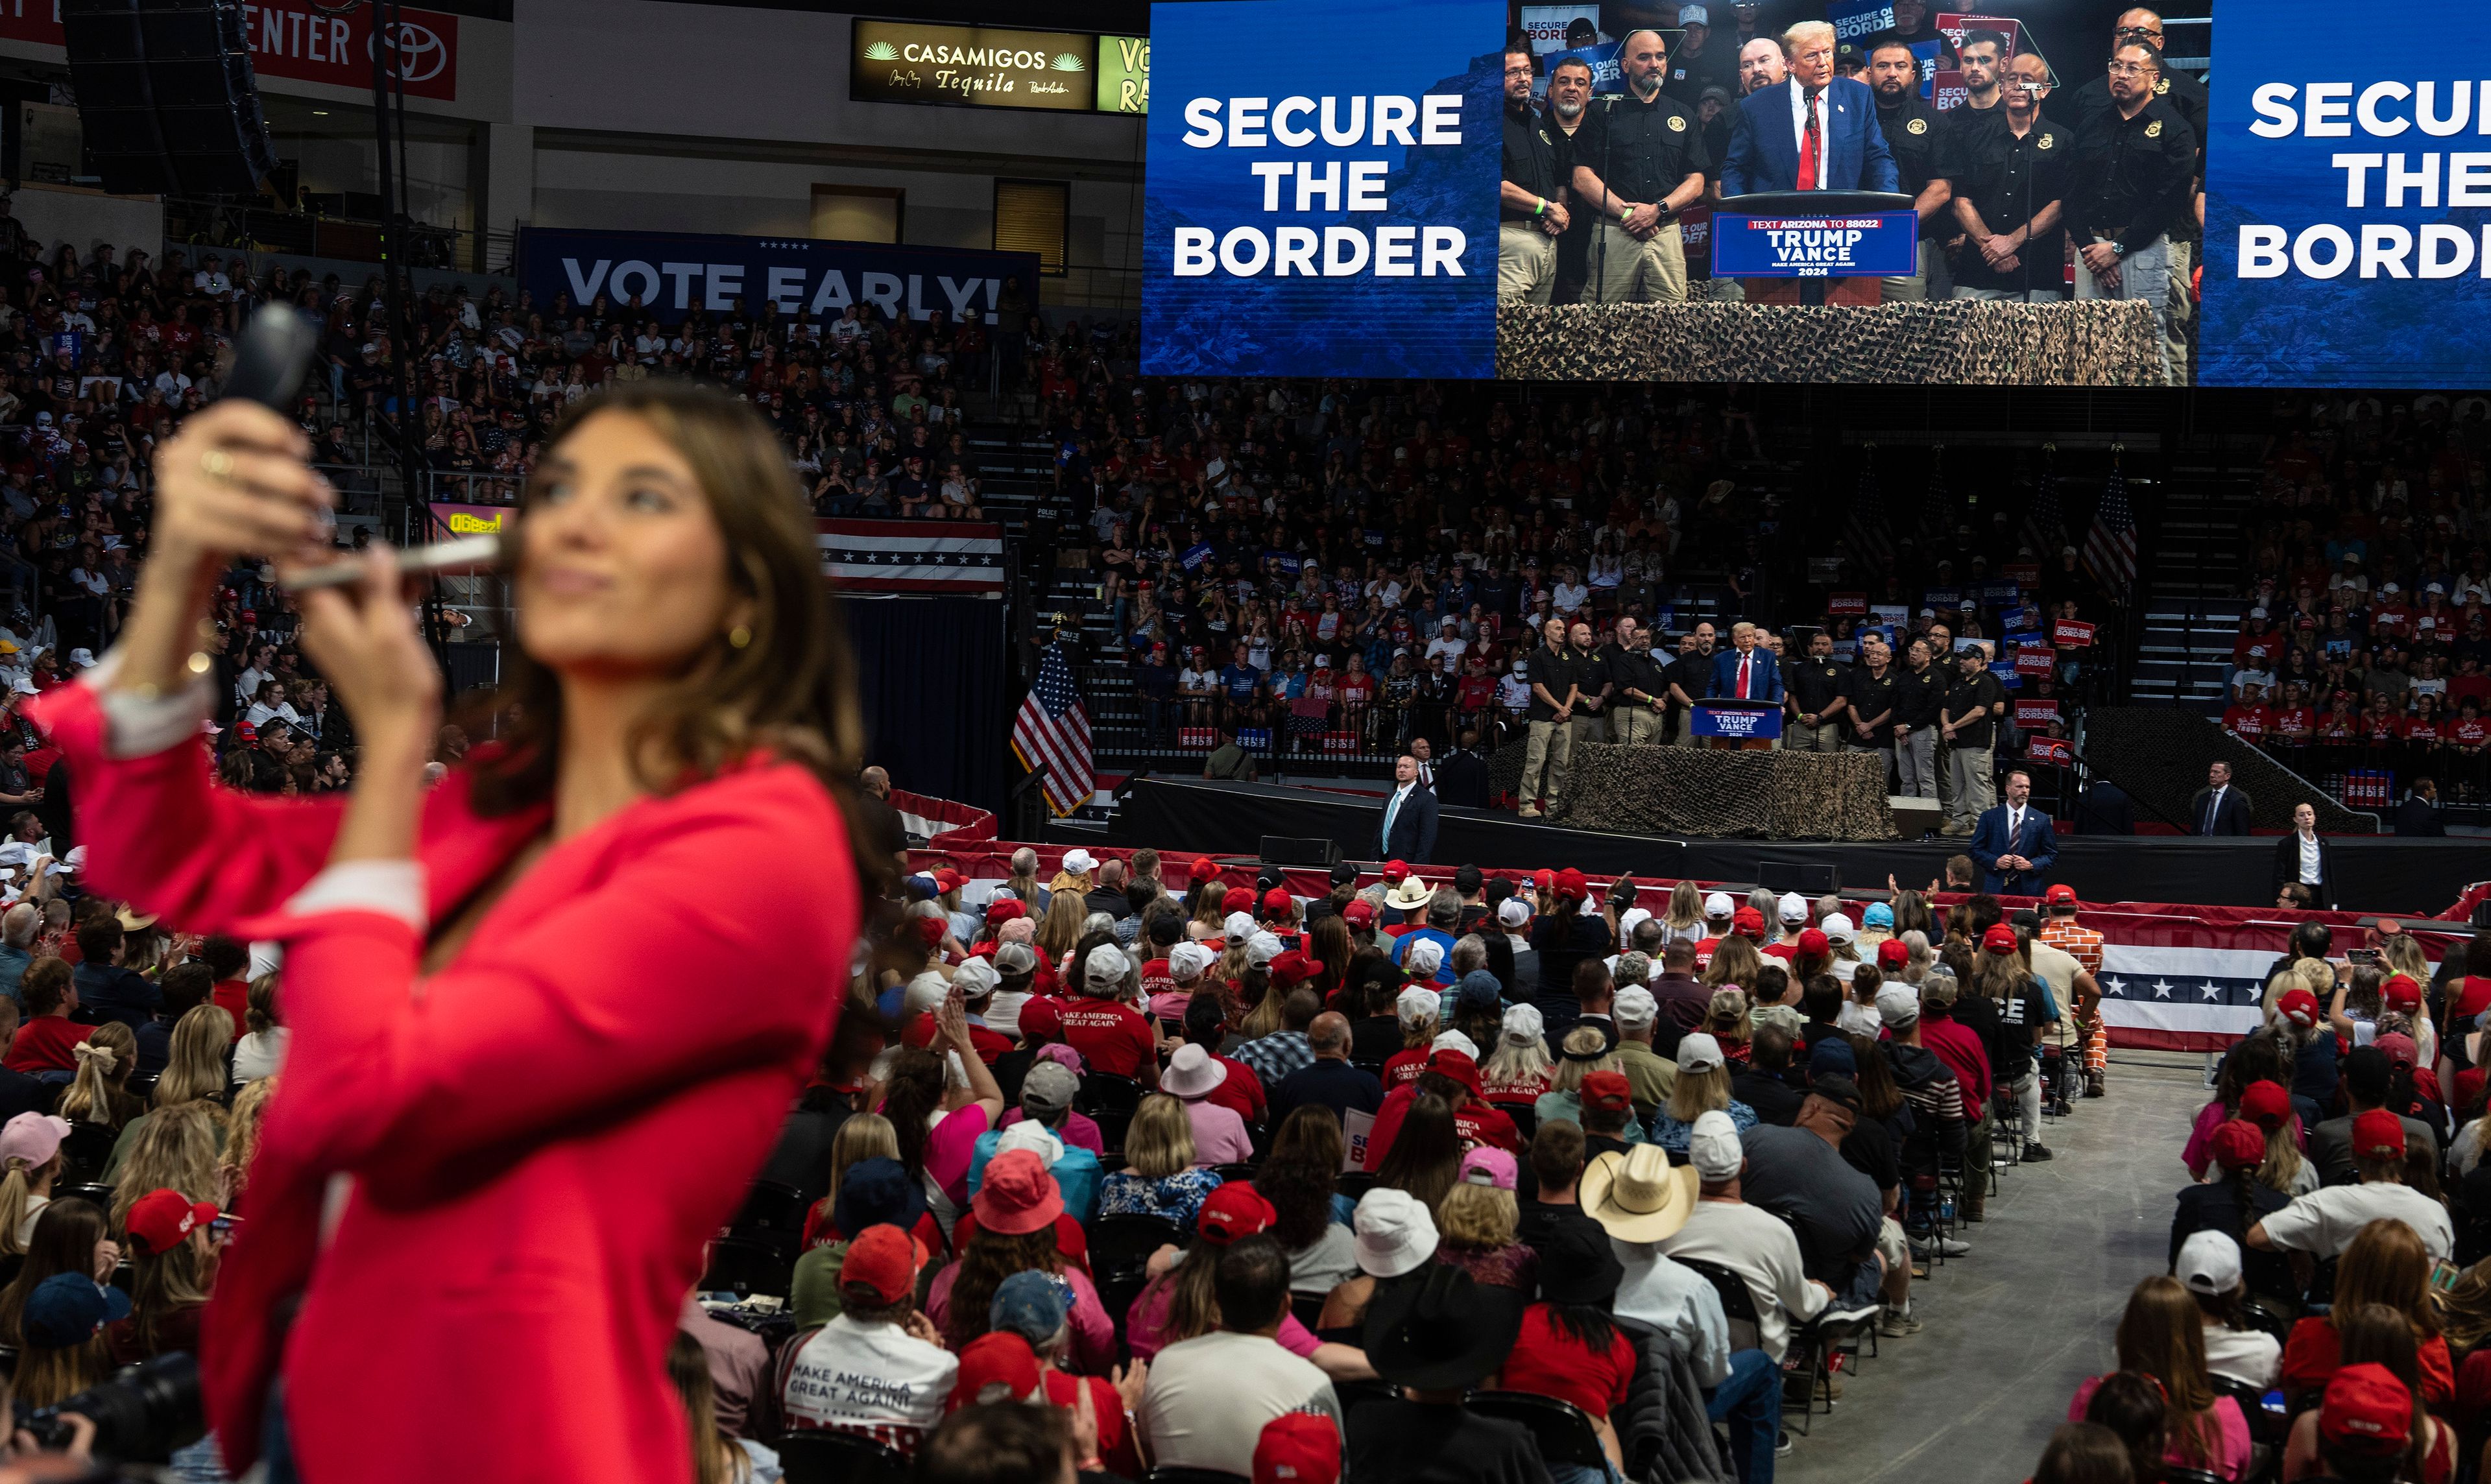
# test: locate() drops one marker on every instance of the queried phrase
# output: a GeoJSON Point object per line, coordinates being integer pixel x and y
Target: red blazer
{"type": "Point", "coordinates": [535, 1142]}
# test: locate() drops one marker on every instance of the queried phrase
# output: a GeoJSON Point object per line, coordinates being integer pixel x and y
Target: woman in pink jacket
{"type": "Point", "coordinates": [502, 1136]}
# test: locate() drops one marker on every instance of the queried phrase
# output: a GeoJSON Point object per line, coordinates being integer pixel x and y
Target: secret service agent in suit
{"type": "Point", "coordinates": [2305, 856]}
{"type": "Point", "coordinates": [2013, 843]}
{"type": "Point", "coordinates": [1813, 132]}
{"type": "Point", "coordinates": [1747, 671]}
{"type": "Point", "coordinates": [2419, 814]}
{"type": "Point", "coordinates": [2218, 809]}
{"type": "Point", "coordinates": [1408, 832]}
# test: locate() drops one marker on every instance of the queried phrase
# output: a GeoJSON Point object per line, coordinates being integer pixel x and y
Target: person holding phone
{"type": "Point", "coordinates": [478, 1053]}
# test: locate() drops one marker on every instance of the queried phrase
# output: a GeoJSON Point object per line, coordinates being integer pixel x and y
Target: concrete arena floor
{"type": "Point", "coordinates": [2017, 1324]}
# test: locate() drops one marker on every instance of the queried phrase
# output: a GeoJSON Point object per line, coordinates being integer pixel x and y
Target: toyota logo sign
{"type": "Point", "coordinates": [421, 56]}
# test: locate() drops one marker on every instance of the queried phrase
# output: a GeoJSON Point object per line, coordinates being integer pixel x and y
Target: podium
{"type": "Point", "coordinates": [1733, 725]}
{"type": "Point", "coordinates": [1816, 246]}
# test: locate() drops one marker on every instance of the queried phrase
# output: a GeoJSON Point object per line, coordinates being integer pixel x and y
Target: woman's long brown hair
{"type": "Point", "coordinates": [2162, 1335]}
{"type": "Point", "coordinates": [2387, 1265]}
{"type": "Point", "coordinates": [790, 691]}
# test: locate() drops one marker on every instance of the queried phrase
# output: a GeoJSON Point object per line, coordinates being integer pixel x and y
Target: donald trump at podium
{"type": "Point", "coordinates": [1815, 131]}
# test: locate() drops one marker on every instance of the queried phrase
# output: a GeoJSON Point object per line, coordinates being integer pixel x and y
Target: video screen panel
{"type": "Point", "coordinates": [2022, 192]}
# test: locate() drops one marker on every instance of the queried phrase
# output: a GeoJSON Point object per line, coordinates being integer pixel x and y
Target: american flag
{"type": "Point", "coordinates": [2110, 548]}
{"type": "Point", "coordinates": [2045, 527]}
{"type": "Point", "coordinates": [1053, 731]}
{"type": "Point", "coordinates": [1871, 542]}
{"type": "Point", "coordinates": [1937, 507]}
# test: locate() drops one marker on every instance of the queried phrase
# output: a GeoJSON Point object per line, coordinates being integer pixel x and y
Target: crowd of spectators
{"type": "Point", "coordinates": [1486, 1179]}
{"type": "Point", "coordinates": [1321, 569]}
{"type": "Point", "coordinates": [2327, 1298]}
{"type": "Point", "coordinates": [2365, 642]}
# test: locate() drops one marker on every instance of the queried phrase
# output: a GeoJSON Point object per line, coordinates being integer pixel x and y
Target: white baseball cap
{"type": "Point", "coordinates": [1523, 1024]}
{"type": "Point", "coordinates": [1262, 948]}
{"type": "Point", "coordinates": [1794, 907]}
{"type": "Point", "coordinates": [1187, 960]}
{"type": "Point", "coordinates": [1713, 1147]}
{"type": "Point", "coordinates": [1237, 926]}
{"type": "Point", "coordinates": [1079, 861]}
{"type": "Point", "coordinates": [1698, 1052]}
{"type": "Point", "coordinates": [1454, 1040]}
{"type": "Point", "coordinates": [1418, 1005]}
{"type": "Point", "coordinates": [1837, 928]}
{"type": "Point", "coordinates": [1898, 1004]}
{"type": "Point", "coordinates": [2209, 1263]}
{"type": "Point", "coordinates": [1421, 959]}
{"type": "Point", "coordinates": [1693, 16]}
{"type": "Point", "coordinates": [1719, 905]}
{"type": "Point", "coordinates": [1513, 911]}
{"type": "Point", "coordinates": [1634, 1007]}
{"type": "Point", "coordinates": [1104, 969]}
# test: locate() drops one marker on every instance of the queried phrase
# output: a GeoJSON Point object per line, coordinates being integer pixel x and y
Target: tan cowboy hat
{"type": "Point", "coordinates": [1638, 1196]}
{"type": "Point", "coordinates": [1411, 894]}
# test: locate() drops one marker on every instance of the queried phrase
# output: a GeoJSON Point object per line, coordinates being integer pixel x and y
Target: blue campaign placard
{"type": "Point", "coordinates": [2348, 199]}
{"type": "Point", "coordinates": [1879, 245]}
{"type": "Point", "coordinates": [1729, 721]}
{"type": "Point", "coordinates": [1314, 209]}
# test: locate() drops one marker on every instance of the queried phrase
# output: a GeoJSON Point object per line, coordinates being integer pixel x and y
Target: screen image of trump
{"type": "Point", "coordinates": [2042, 192]}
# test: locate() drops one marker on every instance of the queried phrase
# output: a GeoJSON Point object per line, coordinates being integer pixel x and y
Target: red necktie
{"type": "Point", "coordinates": [1808, 145]}
{"type": "Point", "coordinates": [1742, 677]}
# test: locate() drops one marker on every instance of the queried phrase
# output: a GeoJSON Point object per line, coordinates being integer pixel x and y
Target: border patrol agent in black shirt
{"type": "Point", "coordinates": [1873, 688]}
{"type": "Point", "coordinates": [1812, 692]}
{"type": "Point", "coordinates": [2189, 97]}
{"type": "Point", "coordinates": [2133, 173]}
{"type": "Point", "coordinates": [1911, 130]}
{"type": "Point", "coordinates": [1530, 198]}
{"type": "Point", "coordinates": [1641, 694]}
{"type": "Point", "coordinates": [1639, 160]}
{"type": "Point", "coordinates": [1549, 753]}
{"type": "Point", "coordinates": [2009, 171]}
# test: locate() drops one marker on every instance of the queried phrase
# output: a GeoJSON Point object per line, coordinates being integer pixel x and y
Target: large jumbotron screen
{"type": "Point", "coordinates": [2027, 191]}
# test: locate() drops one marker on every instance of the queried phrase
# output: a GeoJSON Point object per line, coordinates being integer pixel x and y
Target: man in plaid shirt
{"type": "Point", "coordinates": [2085, 947]}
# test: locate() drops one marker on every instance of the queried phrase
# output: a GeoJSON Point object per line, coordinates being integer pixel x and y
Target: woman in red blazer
{"type": "Point", "coordinates": [500, 1137]}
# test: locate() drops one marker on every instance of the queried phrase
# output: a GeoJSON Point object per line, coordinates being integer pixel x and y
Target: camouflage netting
{"type": "Point", "coordinates": [1795, 796]}
{"type": "Point", "coordinates": [1953, 342]}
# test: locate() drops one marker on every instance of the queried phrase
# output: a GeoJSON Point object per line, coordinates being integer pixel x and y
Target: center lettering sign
{"type": "Point", "coordinates": [981, 67]}
{"type": "Point", "coordinates": [291, 39]}
{"type": "Point", "coordinates": [1881, 244]}
{"type": "Point", "coordinates": [1319, 210]}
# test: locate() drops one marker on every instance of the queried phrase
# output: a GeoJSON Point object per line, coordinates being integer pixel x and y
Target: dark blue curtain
{"type": "Point", "coordinates": [933, 676]}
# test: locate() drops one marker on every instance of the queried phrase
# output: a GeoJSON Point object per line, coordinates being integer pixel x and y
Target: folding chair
{"type": "Point", "coordinates": [822, 1457]}
{"type": "Point", "coordinates": [1563, 1431]}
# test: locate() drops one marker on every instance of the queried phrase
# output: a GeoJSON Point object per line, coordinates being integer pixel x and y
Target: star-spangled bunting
{"type": "Point", "coordinates": [912, 556]}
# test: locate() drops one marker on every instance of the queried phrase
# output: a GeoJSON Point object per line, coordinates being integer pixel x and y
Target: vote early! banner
{"type": "Point", "coordinates": [1881, 244]}
{"type": "Point", "coordinates": [672, 274]}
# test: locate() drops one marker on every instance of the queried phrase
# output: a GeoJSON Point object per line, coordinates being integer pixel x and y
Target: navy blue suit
{"type": "Point", "coordinates": [1764, 681]}
{"type": "Point", "coordinates": [2036, 842]}
{"type": "Point", "coordinates": [1413, 835]}
{"type": "Point", "coordinates": [1764, 143]}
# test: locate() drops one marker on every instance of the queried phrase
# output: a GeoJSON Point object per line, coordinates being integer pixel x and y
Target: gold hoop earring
{"type": "Point", "coordinates": [738, 636]}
